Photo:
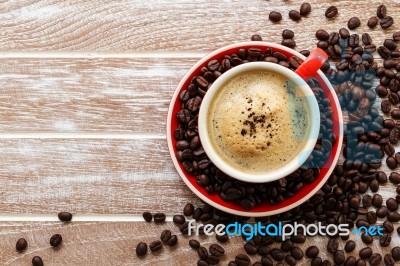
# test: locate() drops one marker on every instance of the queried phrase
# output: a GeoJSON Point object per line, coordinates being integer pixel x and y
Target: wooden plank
{"type": "Point", "coordinates": [89, 176]}
{"type": "Point", "coordinates": [113, 243]}
{"type": "Point", "coordinates": [100, 176]}
{"type": "Point", "coordinates": [29, 25]}
{"type": "Point", "coordinates": [88, 95]}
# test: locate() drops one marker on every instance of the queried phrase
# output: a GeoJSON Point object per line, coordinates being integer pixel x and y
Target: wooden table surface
{"type": "Point", "coordinates": [84, 92]}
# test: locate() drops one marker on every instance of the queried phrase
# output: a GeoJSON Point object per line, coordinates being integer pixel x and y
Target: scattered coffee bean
{"type": "Point", "coordinates": [65, 216]}
{"type": "Point", "coordinates": [312, 252]}
{"type": "Point", "coordinates": [141, 249]}
{"type": "Point", "coordinates": [217, 250]}
{"type": "Point", "coordinates": [21, 244]}
{"type": "Point", "coordinates": [396, 36]}
{"type": "Point", "coordinates": [394, 177]}
{"type": "Point", "coordinates": [275, 16]}
{"type": "Point", "coordinates": [288, 43]}
{"type": "Point", "coordinates": [365, 253]}
{"type": "Point", "coordinates": [366, 39]}
{"type": "Point", "coordinates": [396, 253]}
{"type": "Point", "coordinates": [332, 245]}
{"type": "Point", "coordinates": [339, 257]}
{"type": "Point", "coordinates": [55, 240]}
{"type": "Point", "coordinates": [372, 22]}
{"type": "Point", "coordinates": [294, 15]}
{"type": "Point", "coordinates": [194, 244]}
{"type": "Point", "coordinates": [391, 162]}
{"type": "Point", "coordinates": [212, 260]}
{"type": "Point", "coordinates": [386, 22]}
{"type": "Point", "coordinates": [317, 261]}
{"type": "Point", "coordinates": [250, 248]}
{"type": "Point", "coordinates": [242, 260]}
{"type": "Point", "coordinates": [384, 240]}
{"type": "Point", "coordinates": [331, 12]}
{"type": "Point", "coordinates": [159, 217]}
{"type": "Point", "coordinates": [155, 246]}
{"type": "Point", "coordinates": [375, 259]}
{"type": "Point", "coordinates": [344, 33]}
{"type": "Point", "coordinates": [202, 263]}
{"type": "Point", "coordinates": [202, 253]}
{"type": "Point", "coordinates": [388, 260]}
{"type": "Point", "coordinates": [305, 9]}
{"type": "Point", "coordinates": [350, 246]}
{"type": "Point", "coordinates": [297, 253]}
{"type": "Point", "coordinates": [256, 37]}
{"type": "Point", "coordinates": [388, 227]}
{"type": "Point", "coordinates": [390, 44]}
{"type": "Point", "coordinates": [287, 34]}
{"type": "Point", "coordinates": [353, 23]}
{"type": "Point", "coordinates": [367, 238]}
{"type": "Point", "coordinates": [172, 241]}
{"type": "Point", "coordinates": [165, 235]}
{"type": "Point", "coordinates": [277, 254]}
{"type": "Point", "coordinates": [179, 219]}
{"type": "Point", "coordinates": [322, 35]}
{"type": "Point", "coordinates": [37, 261]}
{"type": "Point", "coordinates": [381, 11]}
{"type": "Point", "coordinates": [147, 216]}
{"type": "Point", "coordinates": [392, 204]}
{"type": "Point", "coordinates": [188, 209]}
{"type": "Point", "coordinates": [393, 216]}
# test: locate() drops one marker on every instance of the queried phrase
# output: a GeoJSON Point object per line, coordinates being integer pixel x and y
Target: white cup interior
{"type": "Point", "coordinates": [291, 165]}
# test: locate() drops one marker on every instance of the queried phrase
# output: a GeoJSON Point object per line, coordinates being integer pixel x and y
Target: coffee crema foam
{"type": "Point", "coordinates": [258, 122]}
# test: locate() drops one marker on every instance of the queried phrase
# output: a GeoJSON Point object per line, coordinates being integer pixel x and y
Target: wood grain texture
{"type": "Point", "coordinates": [88, 95]}
{"type": "Point", "coordinates": [167, 26]}
{"type": "Point", "coordinates": [94, 176]}
{"type": "Point", "coordinates": [114, 243]}
{"type": "Point", "coordinates": [89, 176]}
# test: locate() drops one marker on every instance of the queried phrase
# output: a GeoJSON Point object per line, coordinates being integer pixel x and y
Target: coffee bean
{"type": "Point", "coordinates": [141, 249]}
{"type": "Point", "coordinates": [391, 162]}
{"type": "Point", "coordinates": [388, 260]}
{"type": "Point", "coordinates": [397, 157]}
{"type": "Point", "coordinates": [384, 240]}
{"type": "Point", "coordinates": [294, 15]}
{"type": "Point", "coordinates": [386, 106]}
{"type": "Point", "coordinates": [159, 217]}
{"type": "Point", "coordinates": [366, 238]}
{"type": "Point", "coordinates": [297, 253]}
{"type": "Point", "coordinates": [390, 44]}
{"type": "Point", "coordinates": [374, 185]}
{"type": "Point", "coordinates": [277, 254]}
{"type": "Point", "coordinates": [396, 36]}
{"type": "Point", "coordinates": [55, 240]}
{"type": "Point", "coordinates": [331, 12]}
{"type": "Point", "coordinates": [250, 248]}
{"type": "Point", "coordinates": [365, 253]}
{"type": "Point", "coordinates": [264, 250]}
{"type": "Point", "coordinates": [394, 177]}
{"type": "Point", "coordinates": [202, 253]}
{"type": "Point", "coordinates": [188, 209]}
{"type": "Point", "coordinates": [323, 45]}
{"type": "Point", "coordinates": [332, 245]}
{"type": "Point", "coordinates": [147, 216]}
{"type": "Point", "coordinates": [350, 246]}
{"type": "Point", "coordinates": [242, 260]}
{"type": "Point", "coordinates": [388, 227]}
{"type": "Point", "coordinates": [386, 22]}
{"type": "Point", "coordinates": [381, 91]}
{"type": "Point", "coordinates": [37, 261]}
{"type": "Point", "coordinates": [317, 261]}
{"type": "Point", "coordinates": [322, 35]}
{"type": "Point", "coordinates": [350, 261]}
{"type": "Point", "coordinates": [393, 216]}
{"type": "Point", "coordinates": [194, 244]}
{"type": "Point", "coordinates": [375, 259]}
{"type": "Point", "coordinates": [395, 113]}
{"type": "Point", "coordinates": [366, 39]}
{"type": "Point", "coordinates": [287, 34]}
{"type": "Point", "coordinates": [382, 212]}
{"type": "Point", "coordinates": [391, 204]}
{"type": "Point", "coordinates": [21, 244]}
{"type": "Point", "coordinates": [305, 52]}
{"type": "Point", "coordinates": [344, 33]}
{"type": "Point", "coordinates": [312, 252]}
{"type": "Point", "coordinates": [202, 263]}
{"type": "Point", "coordinates": [290, 260]}
{"type": "Point", "coordinates": [353, 23]}
{"type": "Point", "coordinates": [372, 22]}
{"type": "Point", "coordinates": [212, 260]}
{"type": "Point", "coordinates": [305, 9]}
{"type": "Point", "coordinates": [393, 98]}
{"type": "Point", "coordinates": [384, 53]}
{"type": "Point", "coordinates": [179, 219]}
{"type": "Point", "coordinates": [155, 246]}
{"type": "Point", "coordinates": [396, 253]}
{"type": "Point", "coordinates": [183, 116]}
{"type": "Point", "coordinates": [65, 216]}
{"type": "Point", "coordinates": [256, 37]}
{"type": "Point", "coordinates": [165, 235]}
{"type": "Point", "coordinates": [288, 43]}
{"type": "Point", "coordinates": [381, 11]}
{"type": "Point", "coordinates": [338, 257]}
{"type": "Point", "coordinates": [217, 250]}
{"type": "Point", "coordinates": [275, 16]}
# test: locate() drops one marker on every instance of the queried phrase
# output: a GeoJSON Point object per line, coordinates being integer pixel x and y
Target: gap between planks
{"type": "Point", "coordinates": [73, 135]}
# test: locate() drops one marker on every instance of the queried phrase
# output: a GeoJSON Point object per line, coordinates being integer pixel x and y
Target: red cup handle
{"type": "Point", "coordinates": [311, 65]}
